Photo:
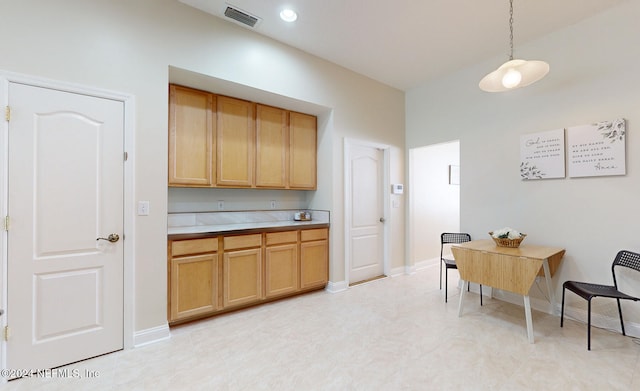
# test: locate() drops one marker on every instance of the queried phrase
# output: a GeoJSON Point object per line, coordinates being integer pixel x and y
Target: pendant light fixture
{"type": "Point", "coordinates": [513, 73]}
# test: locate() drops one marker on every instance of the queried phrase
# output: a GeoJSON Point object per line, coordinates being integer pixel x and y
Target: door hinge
{"type": "Point", "coordinates": [7, 333]}
{"type": "Point", "coordinates": [7, 113]}
{"type": "Point", "coordinates": [5, 223]}
{"type": "Point", "coordinates": [126, 156]}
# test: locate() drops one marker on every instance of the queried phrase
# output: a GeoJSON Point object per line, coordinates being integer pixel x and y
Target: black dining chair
{"type": "Point", "coordinates": [588, 291]}
{"type": "Point", "coordinates": [452, 238]}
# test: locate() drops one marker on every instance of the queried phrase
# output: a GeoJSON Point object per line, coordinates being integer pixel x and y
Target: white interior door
{"type": "Point", "coordinates": [366, 212]}
{"type": "Point", "coordinates": [65, 190]}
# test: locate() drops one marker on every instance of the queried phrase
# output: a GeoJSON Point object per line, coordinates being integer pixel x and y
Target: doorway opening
{"type": "Point", "coordinates": [434, 205]}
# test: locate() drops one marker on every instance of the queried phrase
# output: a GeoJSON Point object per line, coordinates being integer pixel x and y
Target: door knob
{"type": "Point", "coordinates": [111, 238]}
{"type": "Point", "coordinates": [382, 219]}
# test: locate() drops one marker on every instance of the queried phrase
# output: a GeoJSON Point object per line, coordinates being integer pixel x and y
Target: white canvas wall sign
{"type": "Point", "coordinates": [542, 155]}
{"type": "Point", "coordinates": [597, 149]}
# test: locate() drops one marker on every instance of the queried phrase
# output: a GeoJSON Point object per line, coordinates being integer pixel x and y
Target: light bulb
{"type": "Point", "coordinates": [511, 79]}
{"type": "Point", "coordinates": [288, 15]}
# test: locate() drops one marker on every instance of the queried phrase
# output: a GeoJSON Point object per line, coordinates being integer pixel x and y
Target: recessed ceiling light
{"type": "Point", "coordinates": [288, 15]}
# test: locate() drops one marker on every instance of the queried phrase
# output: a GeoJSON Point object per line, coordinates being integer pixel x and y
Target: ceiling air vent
{"type": "Point", "coordinates": [241, 16]}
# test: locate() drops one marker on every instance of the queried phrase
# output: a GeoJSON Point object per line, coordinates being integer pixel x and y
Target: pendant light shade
{"type": "Point", "coordinates": [513, 73]}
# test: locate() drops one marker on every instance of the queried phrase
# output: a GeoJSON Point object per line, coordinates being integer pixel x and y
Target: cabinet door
{"type": "Point", "coordinates": [236, 142]}
{"type": "Point", "coordinates": [302, 151]}
{"type": "Point", "coordinates": [272, 149]}
{"type": "Point", "coordinates": [281, 264]}
{"type": "Point", "coordinates": [314, 264]}
{"type": "Point", "coordinates": [242, 277]}
{"type": "Point", "coordinates": [191, 137]}
{"type": "Point", "coordinates": [194, 285]}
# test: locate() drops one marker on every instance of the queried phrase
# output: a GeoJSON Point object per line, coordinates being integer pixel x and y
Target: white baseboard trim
{"type": "Point", "coordinates": [536, 303]}
{"type": "Point", "coordinates": [335, 287]}
{"type": "Point", "coordinates": [426, 263]}
{"type": "Point", "coordinates": [401, 271]}
{"type": "Point", "coordinates": [152, 335]}
{"type": "Point", "coordinates": [601, 321]}
{"type": "Point", "coordinates": [576, 314]}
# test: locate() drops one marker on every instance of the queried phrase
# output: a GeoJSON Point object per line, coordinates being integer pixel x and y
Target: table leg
{"type": "Point", "coordinates": [547, 277]}
{"type": "Point", "coordinates": [462, 292]}
{"type": "Point", "coordinates": [527, 313]}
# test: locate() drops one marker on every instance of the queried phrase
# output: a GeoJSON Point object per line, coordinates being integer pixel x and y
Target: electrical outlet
{"type": "Point", "coordinates": [220, 205]}
{"type": "Point", "coordinates": [273, 204]}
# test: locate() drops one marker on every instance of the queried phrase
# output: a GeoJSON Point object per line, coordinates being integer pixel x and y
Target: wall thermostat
{"type": "Point", "coordinates": [397, 188]}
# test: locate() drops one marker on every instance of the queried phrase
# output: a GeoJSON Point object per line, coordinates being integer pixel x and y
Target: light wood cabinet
{"type": "Point", "coordinates": [272, 147]}
{"type": "Point", "coordinates": [314, 258]}
{"type": "Point", "coordinates": [191, 137]}
{"type": "Point", "coordinates": [211, 275]}
{"type": "Point", "coordinates": [236, 142]}
{"type": "Point", "coordinates": [302, 151]}
{"type": "Point", "coordinates": [219, 141]}
{"type": "Point", "coordinates": [281, 263]}
{"type": "Point", "coordinates": [242, 269]}
{"type": "Point", "coordinates": [193, 282]}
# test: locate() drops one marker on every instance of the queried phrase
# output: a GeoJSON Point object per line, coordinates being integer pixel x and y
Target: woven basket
{"type": "Point", "coordinates": [506, 242]}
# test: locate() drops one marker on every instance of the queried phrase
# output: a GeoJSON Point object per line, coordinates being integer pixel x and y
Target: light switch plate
{"type": "Point", "coordinates": [143, 208]}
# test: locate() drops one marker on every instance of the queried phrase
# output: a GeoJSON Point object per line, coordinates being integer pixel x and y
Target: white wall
{"type": "Point", "coordinates": [594, 77]}
{"type": "Point", "coordinates": [435, 204]}
{"type": "Point", "coordinates": [206, 200]}
{"type": "Point", "coordinates": [131, 46]}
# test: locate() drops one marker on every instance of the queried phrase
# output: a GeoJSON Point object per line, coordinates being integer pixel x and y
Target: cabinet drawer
{"type": "Point", "coordinates": [242, 241]}
{"type": "Point", "coordinates": [314, 234]}
{"type": "Point", "coordinates": [281, 237]}
{"type": "Point", "coordinates": [194, 246]}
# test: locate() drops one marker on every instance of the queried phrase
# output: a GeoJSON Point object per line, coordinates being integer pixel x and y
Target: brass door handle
{"type": "Point", "coordinates": [111, 238]}
{"type": "Point", "coordinates": [382, 220]}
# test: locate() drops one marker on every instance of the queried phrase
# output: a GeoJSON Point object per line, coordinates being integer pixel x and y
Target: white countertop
{"type": "Point", "coordinates": [212, 222]}
{"type": "Point", "coordinates": [238, 227]}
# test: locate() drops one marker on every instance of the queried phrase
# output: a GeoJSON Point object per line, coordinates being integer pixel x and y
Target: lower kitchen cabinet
{"type": "Point", "coordinates": [242, 267]}
{"type": "Point", "coordinates": [242, 282]}
{"type": "Point", "coordinates": [314, 258]}
{"type": "Point", "coordinates": [193, 282]}
{"type": "Point", "coordinates": [212, 275]}
{"type": "Point", "coordinates": [281, 263]}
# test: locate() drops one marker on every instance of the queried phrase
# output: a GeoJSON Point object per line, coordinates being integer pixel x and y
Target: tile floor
{"type": "Point", "coordinates": [390, 334]}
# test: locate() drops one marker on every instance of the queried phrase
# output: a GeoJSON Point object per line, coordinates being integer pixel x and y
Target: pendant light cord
{"type": "Point", "coordinates": [513, 73]}
{"type": "Point", "coordinates": [511, 29]}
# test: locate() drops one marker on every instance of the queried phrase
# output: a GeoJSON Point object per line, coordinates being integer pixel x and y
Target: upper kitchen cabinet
{"type": "Point", "coordinates": [302, 155]}
{"type": "Point", "coordinates": [236, 142]}
{"type": "Point", "coordinates": [272, 147]}
{"type": "Point", "coordinates": [191, 137]}
{"type": "Point", "coordinates": [220, 141]}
